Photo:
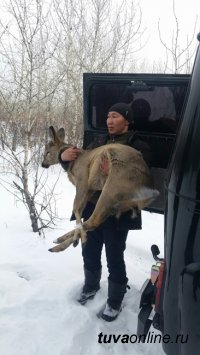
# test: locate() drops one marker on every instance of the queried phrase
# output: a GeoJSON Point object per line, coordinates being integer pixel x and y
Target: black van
{"type": "Point", "coordinates": [167, 115]}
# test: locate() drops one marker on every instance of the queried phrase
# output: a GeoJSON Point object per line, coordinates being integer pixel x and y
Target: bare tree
{"type": "Point", "coordinates": [44, 49]}
{"type": "Point", "coordinates": [179, 59]}
{"type": "Point", "coordinates": [25, 91]}
{"type": "Point", "coordinates": [96, 36]}
{"type": "Point", "coordinates": [37, 195]}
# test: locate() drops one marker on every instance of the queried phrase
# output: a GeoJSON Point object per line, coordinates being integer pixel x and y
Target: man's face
{"type": "Point", "coordinates": [116, 123]}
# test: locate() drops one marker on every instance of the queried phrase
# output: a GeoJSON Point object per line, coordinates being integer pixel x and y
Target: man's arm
{"type": "Point", "coordinates": [68, 155]}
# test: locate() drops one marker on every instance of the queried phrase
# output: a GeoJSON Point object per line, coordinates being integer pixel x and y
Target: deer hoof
{"type": "Point", "coordinates": [75, 243]}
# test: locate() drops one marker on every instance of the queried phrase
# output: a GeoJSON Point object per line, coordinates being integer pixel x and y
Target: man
{"type": "Point", "coordinates": [113, 232]}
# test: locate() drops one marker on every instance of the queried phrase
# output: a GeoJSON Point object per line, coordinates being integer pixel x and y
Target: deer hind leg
{"type": "Point", "coordinates": [103, 209]}
{"type": "Point", "coordinates": [110, 199]}
{"type": "Point", "coordinates": [135, 206]}
{"type": "Point", "coordinates": [138, 203]}
{"type": "Point", "coordinates": [101, 212]}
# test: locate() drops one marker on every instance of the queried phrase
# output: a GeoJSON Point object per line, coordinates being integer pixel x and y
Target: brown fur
{"type": "Point", "coordinates": [128, 185]}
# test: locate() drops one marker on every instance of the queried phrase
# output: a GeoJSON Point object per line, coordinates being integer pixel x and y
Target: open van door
{"type": "Point", "coordinates": [157, 101]}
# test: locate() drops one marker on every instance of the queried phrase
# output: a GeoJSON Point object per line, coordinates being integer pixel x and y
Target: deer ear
{"type": "Point", "coordinates": [52, 133]}
{"type": "Point", "coordinates": [61, 134]}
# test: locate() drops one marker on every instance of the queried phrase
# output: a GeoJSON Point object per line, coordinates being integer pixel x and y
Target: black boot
{"type": "Point", "coordinates": [91, 285]}
{"type": "Point", "coordinates": [116, 294]}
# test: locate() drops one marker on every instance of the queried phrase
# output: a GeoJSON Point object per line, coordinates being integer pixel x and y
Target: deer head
{"type": "Point", "coordinates": [54, 147]}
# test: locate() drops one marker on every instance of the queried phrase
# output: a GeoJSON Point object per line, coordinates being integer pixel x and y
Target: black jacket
{"type": "Point", "coordinates": [128, 138]}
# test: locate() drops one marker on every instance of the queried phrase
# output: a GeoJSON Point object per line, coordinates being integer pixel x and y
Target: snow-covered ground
{"type": "Point", "coordinates": [39, 314]}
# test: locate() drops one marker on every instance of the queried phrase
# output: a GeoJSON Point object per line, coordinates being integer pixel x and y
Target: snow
{"type": "Point", "coordinates": [39, 313]}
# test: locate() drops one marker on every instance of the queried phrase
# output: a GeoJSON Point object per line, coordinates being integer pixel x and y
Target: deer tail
{"type": "Point", "coordinates": [105, 161]}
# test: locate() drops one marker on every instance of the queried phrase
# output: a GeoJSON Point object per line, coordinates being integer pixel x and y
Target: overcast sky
{"type": "Point", "coordinates": [155, 10]}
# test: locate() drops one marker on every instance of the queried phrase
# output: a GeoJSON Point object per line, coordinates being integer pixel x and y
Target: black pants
{"type": "Point", "coordinates": [114, 237]}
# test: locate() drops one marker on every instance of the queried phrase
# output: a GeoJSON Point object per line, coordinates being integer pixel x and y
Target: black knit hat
{"type": "Point", "coordinates": [124, 109]}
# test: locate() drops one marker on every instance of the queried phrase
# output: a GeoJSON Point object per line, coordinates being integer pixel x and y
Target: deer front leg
{"type": "Point", "coordinates": [78, 232]}
{"type": "Point", "coordinates": [80, 202]}
{"type": "Point", "coordinates": [64, 242]}
{"type": "Point", "coordinates": [73, 236]}
{"type": "Point", "coordinates": [62, 246]}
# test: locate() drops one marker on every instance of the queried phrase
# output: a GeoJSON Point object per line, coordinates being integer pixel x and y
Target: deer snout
{"type": "Point", "coordinates": [46, 166]}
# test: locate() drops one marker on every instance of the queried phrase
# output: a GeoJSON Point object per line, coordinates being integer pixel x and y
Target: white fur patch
{"type": "Point", "coordinates": [78, 226]}
{"type": "Point", "coordinates": [144, 193]}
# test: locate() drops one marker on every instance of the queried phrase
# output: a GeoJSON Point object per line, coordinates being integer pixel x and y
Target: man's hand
{"type": "Point", "coordinates": [70, 154]}
{"type": "Point", "coordinates": [104, 166]}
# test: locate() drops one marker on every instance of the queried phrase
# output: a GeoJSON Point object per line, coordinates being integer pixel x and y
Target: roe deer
{"type": "Point", "coordinates": [127, 186]}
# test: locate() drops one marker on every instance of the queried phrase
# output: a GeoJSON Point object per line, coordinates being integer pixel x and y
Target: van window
{"type": "Point", "coordinates": [155, 109]}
